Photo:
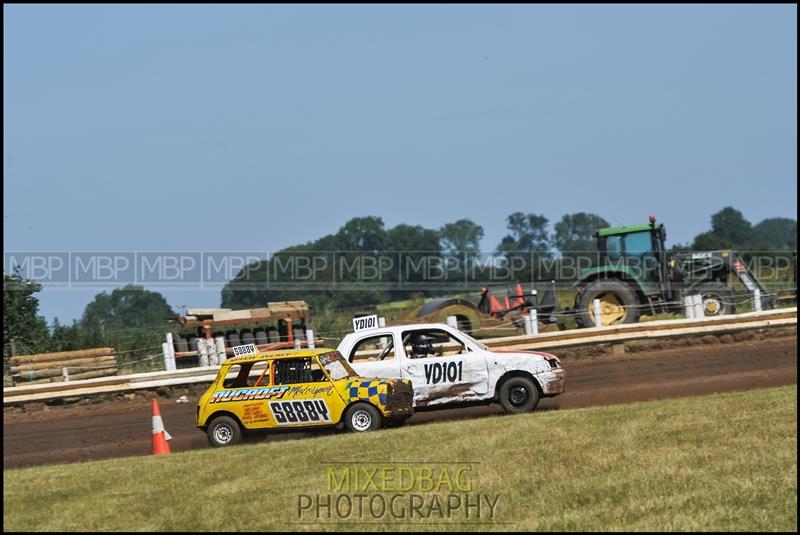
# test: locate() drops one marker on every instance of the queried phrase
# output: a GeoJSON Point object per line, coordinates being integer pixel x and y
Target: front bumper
{"type": "Point", "coordinates": [400, 402]}
{"type": "Point", "coordinates": [552, 382]}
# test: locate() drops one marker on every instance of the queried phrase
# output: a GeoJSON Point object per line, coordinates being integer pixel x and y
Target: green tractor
{"type": "Point", "coordinates": [636, 275]}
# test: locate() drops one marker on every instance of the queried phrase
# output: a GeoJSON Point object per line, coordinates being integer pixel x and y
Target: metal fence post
{"type": "Point", "coordinates": [757, 299]}
{"type": "Point", "coordinates": [65, 374]}
{"type": "Point", "coordinates": [598, 320]}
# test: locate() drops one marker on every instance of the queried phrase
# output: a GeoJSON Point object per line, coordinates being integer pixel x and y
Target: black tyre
{"type": "Point", "coordinates": [223, 431]}
{"type": "Point", "coordinates": [361, 417]}
{"type": "Point", "coordinates": [299, 334]}
{"type": "Point", "coordinates": [247, 337]}
{"type": "Point", "coordinates": [180, 343]}
{"type": "Point", "coordinates": [233, 339]}
{"type": "Point", "coordinates": [261, 336]}
{"type": "Point", "coordinates": [718, 299]}
{"type": "Point", "coordinates": [518, 394]}
{"type": "Point", "coordinates": [618, 303]}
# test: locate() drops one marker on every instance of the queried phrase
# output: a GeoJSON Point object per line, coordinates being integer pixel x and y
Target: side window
{"type": "Point", "coordinates": [247, 374]}
{"type": "Point", "coordinates": [638, 243]}
{"type": "Point", "coordinates": [372, 349]}
{"type": "Point", "coordinates": [237, 376]}
{"type": "Point", "coordinates": [259, 374]}
{"type": "Point", "coordinates": [614, 247]}
{"type": "Point", "coordinates": [302, 370]}
{"type": "Point", "coordinates": [432, 343]}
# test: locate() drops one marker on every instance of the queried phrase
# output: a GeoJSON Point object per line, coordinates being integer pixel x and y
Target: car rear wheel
{"type": "Point", "coordinates": [361, 417]}
{"type": "Point", "coordinates": [519, 394]}
{"type": "Point", "coordinates": [223, 431]}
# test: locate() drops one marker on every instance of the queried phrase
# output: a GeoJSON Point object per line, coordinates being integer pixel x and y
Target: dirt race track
{"type": "Point", "coordinates": [122, 428]}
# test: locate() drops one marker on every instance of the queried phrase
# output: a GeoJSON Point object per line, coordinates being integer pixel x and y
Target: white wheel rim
{"type": "Point", "coordinates": [361, 420]}
{"type": "Point", "coordinates": [223, 433]}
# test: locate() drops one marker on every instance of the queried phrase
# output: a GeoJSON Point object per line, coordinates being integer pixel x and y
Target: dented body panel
{"type": "Point", "coordinates": [461, 370]}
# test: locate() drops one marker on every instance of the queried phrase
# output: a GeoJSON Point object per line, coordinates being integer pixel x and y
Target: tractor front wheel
{"type": "Point", "coordinates": [718, 299]}
{"type": "Point", "coordinates": [618, 303]}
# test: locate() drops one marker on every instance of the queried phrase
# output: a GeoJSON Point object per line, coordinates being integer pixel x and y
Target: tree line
{"type": "Point", "coordinates": [128, 317]}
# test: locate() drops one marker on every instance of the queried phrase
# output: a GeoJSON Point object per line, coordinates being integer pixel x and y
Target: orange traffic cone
{"type": "Point", "coordinates": [160, 436]}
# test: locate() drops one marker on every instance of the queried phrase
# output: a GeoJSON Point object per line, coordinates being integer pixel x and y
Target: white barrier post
{"type": "Point", "coordinates": [65, 374]}
{"type": "Point", "coordinates": [297, 344]}
{"type": "Point", "coordinates": [757, 299]}
{"type": "Point", "coordinates": [698, 307]}
{"type": "Point", "coordinates": [222, 356]}
{"type": "Point", "coordinates": [384, 341]}
{"type": "Point", "coordinates": [211, 348]}
{"type": "Point", "coordinates": [452, 321]}
{"type": "Point", "coordinates": [169, 362]}
{"type": "Point", "coordinates": [165, 350]}
{"type": "Point", "coordinates": [310, 338]}
{"type": "Point", "coordinates": [534, 322]}
{"type": "Point", "coordinates": [202, 352]}
{"type": "Point", "coordinates": [526, 323]}
{"type": "Point", "coordinates": [688, 307]}
{"type": "Point", "coordinates": [598, 319]}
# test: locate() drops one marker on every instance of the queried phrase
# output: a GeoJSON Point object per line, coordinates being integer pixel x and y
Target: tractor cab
{"type": "Point", "coordinates": [637, 250]}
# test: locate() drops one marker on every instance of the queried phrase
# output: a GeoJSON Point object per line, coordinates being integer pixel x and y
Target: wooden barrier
{"type": "Point", "coordinates": [70, 365]}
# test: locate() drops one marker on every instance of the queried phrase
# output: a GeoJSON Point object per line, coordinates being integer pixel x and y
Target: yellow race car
{"type": "Point", "coordinates": [297, 389]}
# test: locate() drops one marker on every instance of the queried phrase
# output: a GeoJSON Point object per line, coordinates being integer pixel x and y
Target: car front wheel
{"type": "Point", "coordinates": [519, 394]}
{"type": "Point", "coordinates": [223, 431]}
{"type": "Point", "coordinates": [361, 417]}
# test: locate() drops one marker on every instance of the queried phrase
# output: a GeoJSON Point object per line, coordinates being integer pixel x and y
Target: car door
{"type": "Point", "coordinates": [451, 371]}
{"type": "Point", "coordinates": [310, 398]}
{"type": "Point", "coordinates": [374, 355]}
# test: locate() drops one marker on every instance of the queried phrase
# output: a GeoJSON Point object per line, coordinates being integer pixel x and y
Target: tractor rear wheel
{"type": "Point", "coordinates": [618, 303]}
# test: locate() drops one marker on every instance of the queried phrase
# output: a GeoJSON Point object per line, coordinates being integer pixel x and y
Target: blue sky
{"type": "Point", "coordinates": [255, 127]}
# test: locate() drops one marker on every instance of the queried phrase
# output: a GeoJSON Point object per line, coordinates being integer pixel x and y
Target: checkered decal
{"type": "Point", "coordinates": [374, 391]}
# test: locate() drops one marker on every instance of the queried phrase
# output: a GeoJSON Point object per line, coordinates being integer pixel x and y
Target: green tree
{"type": "Point", "coordinates": [729, 230]}
{"type": "Point", "coordinates": [362, 234]}
{"type": "Point", "coordinates": [66, 337]}
{"type": "Point", "coordinates": [528, 233]}
{"type": "Point", "coordinates": [21, 319]}
{"type": "Point", "coordinates": [463, 236]}
{"type": "Point", "coordinates": [575, 232]}
{"type": "Point", "coordinates": [776, 233]}
{"type": "Point", "coordinates": [128, 307]}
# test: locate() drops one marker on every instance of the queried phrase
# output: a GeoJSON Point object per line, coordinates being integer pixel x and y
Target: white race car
{"type": "Point", "coordinates": [449, 367]}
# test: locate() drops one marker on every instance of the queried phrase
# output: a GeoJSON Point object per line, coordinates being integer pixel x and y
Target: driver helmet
{"type": "Point", "coordinates": [421, 345]}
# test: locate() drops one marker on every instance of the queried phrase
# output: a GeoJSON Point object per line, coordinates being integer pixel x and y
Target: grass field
{"type": "Point", "coordinates": [722, 462]}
